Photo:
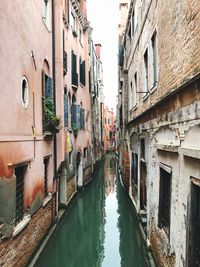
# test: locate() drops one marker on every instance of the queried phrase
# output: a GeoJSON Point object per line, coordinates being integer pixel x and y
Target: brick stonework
{"type": "Point", "coordinates": [16, 252]}
{"type": "Point", "coordinates": [178, 50]}
{"type": "Point", "coordinates": [126, 168]}
{"type": "Point", "coordinates": [71, 187]}
{"type": "Point", "coordinates": [87, 174]}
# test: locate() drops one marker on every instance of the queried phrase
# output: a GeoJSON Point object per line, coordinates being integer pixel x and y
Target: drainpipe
{"type": "Point", "coordinates": [54, 95]}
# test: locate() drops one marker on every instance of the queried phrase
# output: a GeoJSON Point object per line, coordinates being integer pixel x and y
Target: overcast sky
{"type": "Point", "coordinates": [104, 19]}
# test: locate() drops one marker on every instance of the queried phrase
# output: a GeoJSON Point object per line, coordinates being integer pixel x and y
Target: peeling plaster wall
{"type": "Point", "coordinates": [25, 45]}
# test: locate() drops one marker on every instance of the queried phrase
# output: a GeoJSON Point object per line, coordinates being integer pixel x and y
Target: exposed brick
{"type": "Point", "coordinates": [16, 252]}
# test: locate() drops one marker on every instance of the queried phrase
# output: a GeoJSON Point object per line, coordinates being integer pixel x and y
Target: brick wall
{"type": "Point", "coordinates": [17, 251]}
{"type": "Point", "coordinates": [178, 51]}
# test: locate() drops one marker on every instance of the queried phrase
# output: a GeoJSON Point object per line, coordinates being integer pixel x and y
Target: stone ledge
{"type": "Point", "coordinates": [169, 148]}
{"type": "Point", "coordinates": [47, 199]}
{"type": "Point", "coordinates": [189, 152]}
{"type": "Point", "coordinates": [21, 225]}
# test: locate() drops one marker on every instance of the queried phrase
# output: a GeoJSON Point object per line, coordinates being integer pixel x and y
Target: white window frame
{"type": "Point", "coordinates": [24, 95]}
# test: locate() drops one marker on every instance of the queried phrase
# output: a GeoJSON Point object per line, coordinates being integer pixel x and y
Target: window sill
{"type": "Point", "coordinates": [153, 88]}
{"type": "Point", "coordinates": [47, 199]}
{"type": "Point", "coordinates": [46, 26]}
{"type": "Point", "coordinates": [146, 96]}
{"type": "Point", "coordinates": [21, 225]}
{"type": "Point", "coordinates": [81, 85]}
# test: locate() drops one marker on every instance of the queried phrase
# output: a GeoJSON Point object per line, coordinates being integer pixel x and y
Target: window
{"type": "Point", "coordinates": [108, 121]}
{"type": "Point", "coordinates": [80, 36]}
{"type": "Point", "coordinates": [65, 107]}
{"type": "Point", "coordinates": [70, 158]}
{"type": "Point", "coordinates": [82, 118]}
{"type": "Point", "coordinates": [75, 115]}
{"type": "Point", "coordinates": [134, 174]}
{"type": "Point", "coordinates": [146, 71]}
{"type": "Point", "coordinates": [194, 225]}
{"type": "Point", "coordinates": [69, 110]}
{"type": "Point", "coordinates": [130, 95]}
{"type": "Point", "coordinates": [82, 71]}
{"type": "Point", "coordinates": [165, 200]}
{"type": "Point", "coordinates": [142, 148]}
{"type": "Point", "coordinates": [154, 57]}
{"type": "Point", "coordinates": [129, 31]}
{"type": "Point", "coordinates": [20, 174]}
{"type": "Point", "coordinates": [74, 74]}
{"type": "Point", "coordinates": [73, 24]}
{"type": "Point", "coordinates": [24, 92]}
{"type": "Point", "coordinates": [135, 90]}
{"type": "Point", "coordinates": [64, 56]}
{"type": "Point", "coordinates": [105, 120]}
{"type": "Point", "coordinates": [46, 164]}
{"type": "Point", "coordinates": [47, 101]}
{"type": "Point", "coordinates": [133, 23]}
{"type": "Point", "coordinates": [121, 85]}
{"type": "Point", "coordinates": [46, 11]}
{"type": "Point", "coordinates": [85, 152]}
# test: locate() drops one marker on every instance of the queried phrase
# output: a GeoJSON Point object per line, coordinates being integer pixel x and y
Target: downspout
{"type": "Point", "coordinates": [54, 95]}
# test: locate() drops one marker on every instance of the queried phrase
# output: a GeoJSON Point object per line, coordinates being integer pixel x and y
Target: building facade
{"type": "Point", "coordinates": [46, 149]}
{"type": "Point", "coordinates": [27, 165]}
{"type": "Point", "coordinates": [97, 98]}
{"type": "Point", "coordinates": [158, 118]}
{"type": "Point", "coordinates": [73, 80]}
{"type": "Point", "coordinates": [109, 129]}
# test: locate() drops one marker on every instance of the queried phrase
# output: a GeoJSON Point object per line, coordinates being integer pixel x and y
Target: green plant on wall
{"type": "Point", "coordinates": [51, 121]}
{"type": "Point", "coordinates": [75, 130]}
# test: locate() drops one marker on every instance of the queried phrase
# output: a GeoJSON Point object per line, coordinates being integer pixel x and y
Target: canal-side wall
{"type": "Point", "coordinates": [87, 174]}
{"type": "Point", "coordinates": [18, 250]}
{"type": "Point", "coordinates": [71, 192]}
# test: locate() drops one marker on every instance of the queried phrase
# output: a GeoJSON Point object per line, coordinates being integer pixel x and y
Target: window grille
{"type": "Point", "coordinates": [19, 172]}
{"type": "Point", "coordinates": [46, 162]}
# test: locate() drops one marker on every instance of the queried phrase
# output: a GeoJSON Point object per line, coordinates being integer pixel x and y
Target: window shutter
{"type": "Point", "coordinates": [48, 87]}
{"type": "Point", "coordinates": [73, 116]}
{"type": "Point", "coordinates": [65, 110]}
{"type": "Point", "coordinates": [83, 119]}
{"type": "Point", "coordinates": [78, 113]}
{"type": "Point", "coordinates": [83, 72]}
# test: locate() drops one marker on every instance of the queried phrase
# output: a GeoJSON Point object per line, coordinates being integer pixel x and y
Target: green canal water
{"type": "Point", "coordinates": [100, 229]}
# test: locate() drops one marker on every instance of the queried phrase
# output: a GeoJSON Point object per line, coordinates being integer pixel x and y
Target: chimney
{"type": "Point", "coordinates": [98, 50]}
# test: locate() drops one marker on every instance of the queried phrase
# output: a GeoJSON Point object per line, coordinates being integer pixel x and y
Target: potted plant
{"type": "Point", "coordinates": [52, 122]}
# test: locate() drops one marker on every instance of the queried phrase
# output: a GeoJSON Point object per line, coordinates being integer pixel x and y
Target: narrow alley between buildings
{"type": "Point", "coordinates": [99, 229]}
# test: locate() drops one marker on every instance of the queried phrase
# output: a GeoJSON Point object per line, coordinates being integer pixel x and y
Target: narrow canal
{"type": "Point", "coordinates": [99, 230]}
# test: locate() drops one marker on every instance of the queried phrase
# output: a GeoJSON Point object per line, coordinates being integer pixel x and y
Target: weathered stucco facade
{"type": "Point", "coordinates": [27, 188]}
{"type": "Point", "coordinates": [161, 126]}
{"type": "Point", "coordinates": [46, 149]}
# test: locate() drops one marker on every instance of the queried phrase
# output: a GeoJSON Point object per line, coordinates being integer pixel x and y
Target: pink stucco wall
{"type": "Point", "coordinates": [21, 34]}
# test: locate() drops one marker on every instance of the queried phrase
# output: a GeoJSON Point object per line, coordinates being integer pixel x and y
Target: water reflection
{"type": "Point", "coordinates": [131, 246]}
{"type": "Point", "coordinates": [99, 230]}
